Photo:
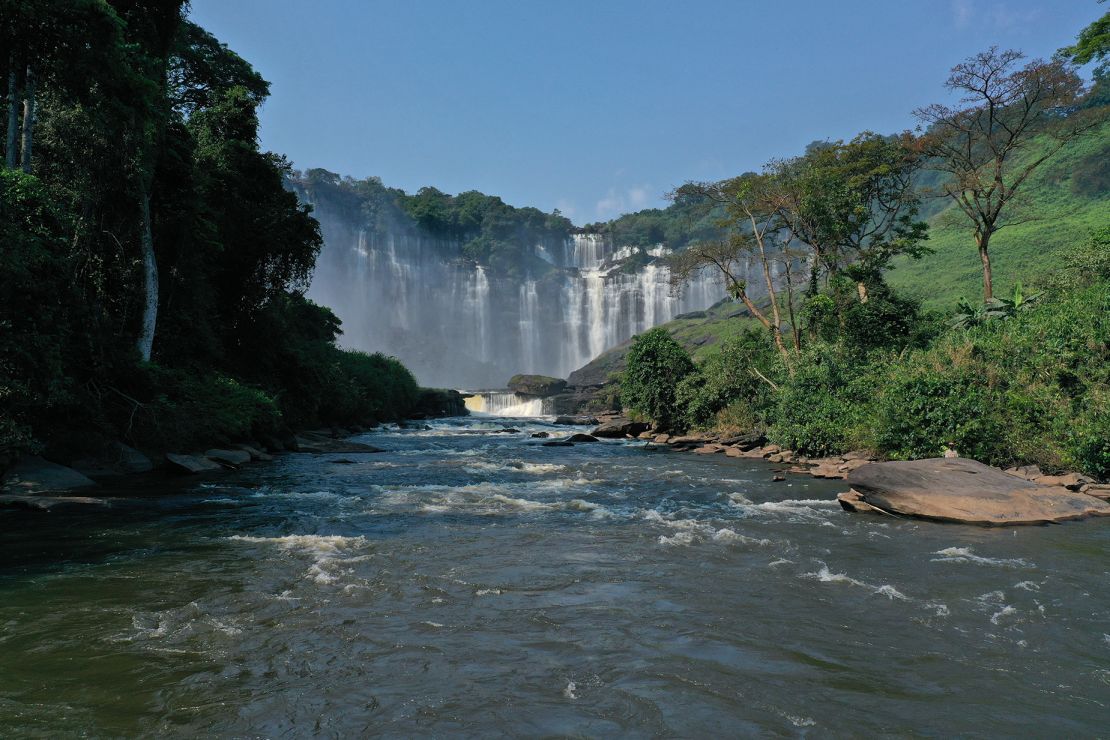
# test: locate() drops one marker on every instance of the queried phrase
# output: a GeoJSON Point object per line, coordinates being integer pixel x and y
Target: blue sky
{"type": "Point", "coordinates": [598, 107]}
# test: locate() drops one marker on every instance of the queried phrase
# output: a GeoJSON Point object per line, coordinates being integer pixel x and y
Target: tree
{"type": "Point", "coordinates": [854, 204]}
{"type": "Point", "coordinates": [1093, 43]}
{"type": "Point", "coordinates": [977, 143]}
{"type": "Point", "coordinates": [656, 365]}
{"type": "Point", "coordinates": [751, 222]}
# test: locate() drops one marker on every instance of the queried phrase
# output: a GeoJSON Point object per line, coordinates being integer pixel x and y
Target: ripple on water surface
{"type": "Point", "coordinates": [469, 581]}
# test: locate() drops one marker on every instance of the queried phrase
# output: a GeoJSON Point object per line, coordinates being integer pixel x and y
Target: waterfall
{"type": "Point", "coordinates": [455, 323]}
{"type": "Point", "coordinates": [500, 403]}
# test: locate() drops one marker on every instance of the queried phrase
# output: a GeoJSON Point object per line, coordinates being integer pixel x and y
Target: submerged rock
{"type": "Point", "coordinates": [558, 443]}
{"type": "Point", "coordinates": [582, 438]}
{"type": "Point", "coordinates": [49, 503]}
{"type": "Point", "coordinates": [319, 444]}
{"type": "Point", "coordinates": [33, 474]}
{"type": "Point", "coordinates": [540, 435]}
{"type": "Point", "coordinates": [966, 491]}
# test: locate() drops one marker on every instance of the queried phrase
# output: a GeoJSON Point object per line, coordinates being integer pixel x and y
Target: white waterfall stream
{"type": "Point", "coordinates": [457, 324]}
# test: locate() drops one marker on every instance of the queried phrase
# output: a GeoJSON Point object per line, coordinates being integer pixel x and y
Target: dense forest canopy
{"type": "Point", "coordinates": [154, 263]}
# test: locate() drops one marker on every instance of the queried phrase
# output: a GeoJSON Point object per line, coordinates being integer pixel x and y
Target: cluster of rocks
{"type": "Point", "coordinates": [37, 483]}
{"type": "Point", "coordinates": [940, 489]}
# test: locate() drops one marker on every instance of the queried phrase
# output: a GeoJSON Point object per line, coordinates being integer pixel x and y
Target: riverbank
{"type": "Point", "coordinates": [34, 482]}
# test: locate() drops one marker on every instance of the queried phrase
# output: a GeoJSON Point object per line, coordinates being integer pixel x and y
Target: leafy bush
{"type": "Point", "coordinates": [168, 409]}
{"type": "Point", "coordinates": [657, 364]}
{"type": "Point", "coordinates": [729, 374]}
{"type": "Point", "coordinates": [821, 408]}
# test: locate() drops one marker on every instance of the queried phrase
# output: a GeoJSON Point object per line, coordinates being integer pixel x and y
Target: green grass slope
{"type": "Point", "coordinates": [1068, 197]}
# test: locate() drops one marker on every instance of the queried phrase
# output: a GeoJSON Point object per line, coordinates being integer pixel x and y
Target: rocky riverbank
{"type": "Point", "coordinates": [952, 490]}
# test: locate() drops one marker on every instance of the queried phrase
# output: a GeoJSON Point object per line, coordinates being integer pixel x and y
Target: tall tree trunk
{"type": "Point", "coordinates": [795, 332]}
{"type": "Point", "coordinates": [150, 278]}
{"type": "Point", "coordinates": [982, 240]}
{"type": "Point", "coordinates": [28, 118]}
{"type": "Point", "coordinates": [13, 115]}
{"type": "Point", "coordinates": [861, 288]}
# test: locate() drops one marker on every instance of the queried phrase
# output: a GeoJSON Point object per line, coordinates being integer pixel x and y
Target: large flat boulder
{"type": "Point", "coordinates": [33, 474]}
{"type": "Point", "coordinates": [966, 491]}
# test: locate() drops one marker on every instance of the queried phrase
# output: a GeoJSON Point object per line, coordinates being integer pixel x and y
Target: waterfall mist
{"type": "Point", "coordinates": [456, 323]}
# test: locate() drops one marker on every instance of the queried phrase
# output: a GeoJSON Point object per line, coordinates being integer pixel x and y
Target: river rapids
{"type": "Point", "coordinates": [472, 582]}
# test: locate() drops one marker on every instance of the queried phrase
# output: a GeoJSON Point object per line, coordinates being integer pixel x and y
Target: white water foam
{"type": "Point", "coordinates": [326, 551]}
{"type": "Point", "coordinates": [824, 575]}
{"type": "Point", "coordinates": [966, 555]}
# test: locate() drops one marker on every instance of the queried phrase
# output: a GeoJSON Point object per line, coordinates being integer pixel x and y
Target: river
{"type": "Point", "coordinates": [469, 582]}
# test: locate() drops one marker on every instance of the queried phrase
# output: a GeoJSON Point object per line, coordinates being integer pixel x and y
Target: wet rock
{"type": "Point", "coordinates": [966, 491]}
{"type": "Point", "coordinates": [558, 443]}
{"type": "Point", "coordinates": [191, 464]}
{"type": "Point", "coordinates": [33, 474]}
{"type": "Point", "coordinates": [536, 385]}
{"type": "Point", "coordinates": [711, 449]}
{"type": "Point", "coordinates": [778, 478]}
{"type": "Point", "coordinates": [853, 501]}
{"type": "Point", "coordinates": [734, 452]}
{"type": "Point", "coordinates": [116, 460]}
{"type": "Point", "coordinates": [582, 438]}
{"type": "Point", "coordinates": [256, 454]}
{"type": "Point", "coordinates": [540, 435]}
{"type": "Point", "coordinates": [578, 421]}
{"type": "Point", "coordinates": [316, 444]}
{"type": "Point", "coordinates": [620, 428]}
{"type": "Point", "coordinates": [229, 458]}
{"type": "Point", "coordinates": [50, 503]}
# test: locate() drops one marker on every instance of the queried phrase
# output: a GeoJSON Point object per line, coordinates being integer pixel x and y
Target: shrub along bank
{"type": "Point", "coordinates": [1027, 382]}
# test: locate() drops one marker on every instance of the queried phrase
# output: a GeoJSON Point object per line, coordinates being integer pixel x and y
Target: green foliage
{"type": "Point", "coordinates": [657, 364]}
{"type": "Point", "coordinates": [995, 308]}
{"type": "Point", "coordinates": [179, 410]}
{"type": "Point", "coordinates": [730, 373]}
{"type": "Point", "coordinates": [821, 408]}
{"type": "Point", "coordinates": [36, 311]}
{"type": "Point", "coordinates": [135, 104]}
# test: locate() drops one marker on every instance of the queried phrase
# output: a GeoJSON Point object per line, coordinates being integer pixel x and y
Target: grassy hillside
{"type": "Point", "coordinates": [1069, 196]}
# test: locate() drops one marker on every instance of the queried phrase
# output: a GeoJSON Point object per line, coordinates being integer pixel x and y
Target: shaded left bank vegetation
{"type": "Point", "coordinates": [154, 264]}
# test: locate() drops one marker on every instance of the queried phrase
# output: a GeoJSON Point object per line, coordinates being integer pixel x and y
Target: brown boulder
{"type": "Point", "coordinates": [620, 428]}
{"type": "Point", "coordinates": [1072, 481]}
{"type": "Point", "coordinates": [966, 491]}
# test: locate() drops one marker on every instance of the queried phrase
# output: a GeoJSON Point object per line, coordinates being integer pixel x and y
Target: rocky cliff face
{"type": "Point", "coordinates": [458, 323]}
